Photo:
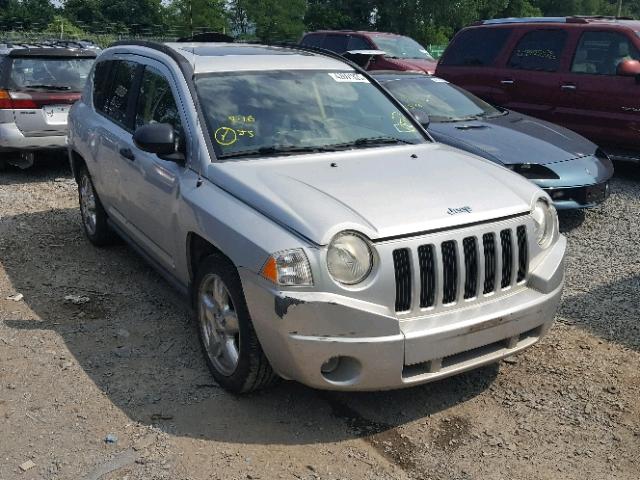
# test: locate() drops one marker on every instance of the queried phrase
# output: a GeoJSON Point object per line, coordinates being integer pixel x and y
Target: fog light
{"type": "Point", "coordinates": [330, 365]}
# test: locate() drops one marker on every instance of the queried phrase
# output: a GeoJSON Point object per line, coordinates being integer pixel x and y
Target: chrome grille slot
{"type": "Point", "coordinates": [470, 267]}
{"type": "Point", "coordinates": [463, 268]}
{"type": "Point", "coordinates": [523, 254]}
{"type": "Point", "coordinates": [507, 258]}
{"type": "Point", "coordinates": [449, 272]}
{"type": "Point", "coordinates": [489, 247]}
{"type": "Point", "coordinates": [401, 263]}
{"type": "Point", "coordinates": [427, 276]}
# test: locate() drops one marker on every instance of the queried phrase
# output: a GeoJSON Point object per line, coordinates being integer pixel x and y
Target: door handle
{"type": "Point", "coordinates": [127, 153]}
{"type": "Point", "coordinates": [570, 88]}
{"type": "Point", "coordinates": [507, 82]}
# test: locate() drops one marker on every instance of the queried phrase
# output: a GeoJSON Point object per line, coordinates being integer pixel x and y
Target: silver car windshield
{"type": "Point", "coordinates": [396, 46]}
{"type": "Point", "coordinates": [288, 112]}
{"type": "Point", "coordinates": [50, 73]}
{"type": "Point", "coordinates": [439, 99]}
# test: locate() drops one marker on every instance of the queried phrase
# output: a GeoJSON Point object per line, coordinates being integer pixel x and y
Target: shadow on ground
{"type": "Point", "coordinates": [46, 168]}
{"type": "Point", "coordinates": [135, 341]}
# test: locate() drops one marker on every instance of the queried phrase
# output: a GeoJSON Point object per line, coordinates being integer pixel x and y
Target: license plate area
{"type": "Point", "coordinates": [56, 114]}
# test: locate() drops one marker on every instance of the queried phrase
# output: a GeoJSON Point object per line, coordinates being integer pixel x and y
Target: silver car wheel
{"type": "Point", "coordinates": [88, 205]}
{"type": "Point", "coordinates": [219, 324]}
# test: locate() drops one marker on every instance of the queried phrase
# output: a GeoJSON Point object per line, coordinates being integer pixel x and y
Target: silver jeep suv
{"type": "Point", "coordinates": [320, 233]}
{"type": "Point", "coordinates": [38, 84]}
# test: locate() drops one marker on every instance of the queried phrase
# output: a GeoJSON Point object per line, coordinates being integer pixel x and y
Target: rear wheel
{"type": "Point", "coordinates": [229, 342]}
{"type": "Point", "coordinates": [94, 217]}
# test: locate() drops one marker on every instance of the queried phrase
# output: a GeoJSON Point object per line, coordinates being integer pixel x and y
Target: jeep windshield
{"type": "Point", "coordinates": [439, 99]}
{"type": "Point", "coordinates": [271, 113]}
{"type": "Point", "coordinates": [59, 74]}
{"type": "Point", "coordinates": [397, 46]}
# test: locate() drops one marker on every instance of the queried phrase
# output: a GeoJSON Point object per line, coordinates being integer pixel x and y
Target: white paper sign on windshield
{"type": "Point", "coordinates": [350, 77]}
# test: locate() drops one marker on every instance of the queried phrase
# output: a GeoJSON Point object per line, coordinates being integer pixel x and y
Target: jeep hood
{"type": "Point", "coordinates": [514, 139]}
{"type": "Point", "coordinates": [381, 192]}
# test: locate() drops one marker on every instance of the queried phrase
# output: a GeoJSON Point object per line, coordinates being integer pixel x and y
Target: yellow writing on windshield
{"type": "Point", "coordinates": [241, 119]}
{"type": "Point", "coordinates": [227, 136]}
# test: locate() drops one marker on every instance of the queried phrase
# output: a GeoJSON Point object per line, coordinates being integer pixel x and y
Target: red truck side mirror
{"type": "Point", "coordinates": [629, 68]}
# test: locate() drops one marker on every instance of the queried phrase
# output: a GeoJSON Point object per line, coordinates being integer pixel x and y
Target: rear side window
{"type": "Point", "coordinates": [539, 50]}
{"type": "Point", "coordinates": [476, 47]}
{"type": "Point", "coordinates": [100, 83]}
{"type": "Point", "coordinates": [358, 43]}
{"type": "Point", "coordinates": [116, 98]}
{"type": "Point", "coordinates": [336, 43]}
{"type": "Point", "coordinates": [600, 53]}
{"type": "Point", "coordinates": [313, 40]}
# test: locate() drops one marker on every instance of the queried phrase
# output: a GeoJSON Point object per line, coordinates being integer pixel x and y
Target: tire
{"type": "Point", "coordinates": [3, 165]}
{"type": "Point", "coordinates": [94, 217]}
{"type": "Point", "coordinates": [224, 327]}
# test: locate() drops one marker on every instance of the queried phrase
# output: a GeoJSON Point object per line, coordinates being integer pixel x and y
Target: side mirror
{"type": "Point", "coordinates": [421, 116]}
{"type": "Point", "coordinates": [629, 68]}
{"type": "Point", "coordinates": [158, 138]}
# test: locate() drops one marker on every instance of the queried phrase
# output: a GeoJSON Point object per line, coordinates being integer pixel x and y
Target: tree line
{"type": "Point", "coordinates": [428, 21]}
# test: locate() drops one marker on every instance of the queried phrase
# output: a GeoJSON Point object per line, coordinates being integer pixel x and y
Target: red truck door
{"type": "Point", "coordinates": [595, 101]}
{"type": "Point", "coordinates": [529, 79]}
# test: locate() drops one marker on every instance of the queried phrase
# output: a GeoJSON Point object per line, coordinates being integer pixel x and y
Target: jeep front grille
{"type": "Point", "coordinates": [453, 270]}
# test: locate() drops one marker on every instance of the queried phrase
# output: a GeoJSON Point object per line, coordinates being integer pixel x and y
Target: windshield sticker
{"type": "Point", "coordinates": [401, 123]}
{"type": "Point", "coordinates": [438, 80]}
{"type": "Point", "coordinates": [242, 119]}
{"type": "Point", "coordinates": [226, 136]}
{"type": "Point", "coordinates": [349, 77]}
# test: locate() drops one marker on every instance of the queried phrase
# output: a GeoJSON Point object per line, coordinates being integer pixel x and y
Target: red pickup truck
{"type": "Point", "coordinates": [579, 72]}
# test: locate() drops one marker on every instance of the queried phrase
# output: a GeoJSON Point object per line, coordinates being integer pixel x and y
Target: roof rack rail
{"type": "Point", "coordinates": [600, 17]}
{"type": "Point", "coordinates": [504, 21]}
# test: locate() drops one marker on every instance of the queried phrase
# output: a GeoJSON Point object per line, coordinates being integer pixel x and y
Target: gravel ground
{"type": "Point", "coordinates": [111, 384]}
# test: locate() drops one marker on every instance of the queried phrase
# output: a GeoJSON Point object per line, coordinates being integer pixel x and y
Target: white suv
{"type": "Point", "coordinates": [38, 85]}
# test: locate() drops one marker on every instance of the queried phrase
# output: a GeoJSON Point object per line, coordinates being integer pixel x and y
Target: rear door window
{"type": "Point", "coordinates": [117, 95]}
{"type": "Point", "coordinates": [540, 50]}
{"type": "Point", "coordinates": [336, 43]}
{"type": "Point", "coordinates": [600, 53]}
{"type": "Point", "coordinates": [476, 47]}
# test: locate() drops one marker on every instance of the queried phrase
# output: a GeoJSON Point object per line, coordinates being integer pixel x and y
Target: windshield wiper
{"type": "Point", "coordinates": [48, 87]}
{"type": "Point", "coordinates": [373, 141]}
{"type": "Point", "coordinates": [275, 151]}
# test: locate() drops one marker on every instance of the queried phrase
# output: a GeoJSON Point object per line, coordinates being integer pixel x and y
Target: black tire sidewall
{"type": "Point", "coordinates": [103, 234]}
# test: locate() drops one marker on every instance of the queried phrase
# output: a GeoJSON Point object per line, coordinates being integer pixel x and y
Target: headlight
{"type": "Point", "coordinates": [544, 218]}
{"type": "Point", "coordinates": [349, 258]}
{"type": "Point", "coordinates": [288, 268]}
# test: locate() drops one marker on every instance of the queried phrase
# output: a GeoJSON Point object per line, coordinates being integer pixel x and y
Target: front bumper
{"type": "Point", "coordinates": [13, 140]}
{"type": "Point", "coordinates": [300, 331]}
{"type": "Point", "coordinates": [587, 196]}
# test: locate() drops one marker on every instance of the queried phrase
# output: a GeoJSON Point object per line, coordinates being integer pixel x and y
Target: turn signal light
{"type": "Point", "coordinates": [288, 268]}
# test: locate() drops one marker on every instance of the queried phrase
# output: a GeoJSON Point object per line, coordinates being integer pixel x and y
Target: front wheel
{"type": "Point", "coordinates": [94, 217]}
{"type": "Point", "coordinates": [229, 342]}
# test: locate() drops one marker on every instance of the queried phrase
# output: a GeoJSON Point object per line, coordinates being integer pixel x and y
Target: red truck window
{"type": "Point", "coordinates": [599, 53]}
{"type": "Point", "coordinates": [476, 47]}
{"type": "Point", "coordinates": [539, 50]}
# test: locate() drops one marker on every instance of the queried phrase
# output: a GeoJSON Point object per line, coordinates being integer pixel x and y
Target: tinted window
{"type": "Point", "coordinates": [313, 40]}
{"type": "Point", "coordinates": [156, 103]}
{"type": "Point", "coordinates": [358, 43]}
{"type": "Point", "coordinates": [397, 46]}
{"type": "Point", "coordinates": [600, 53]}
{"type": "Point", "coordinates": [56, 73]}
{"type": "Point", "coordinates": [476, 47]}
{"type": "Point", "coordinates": [336, 43]}
{"type": "Point", "coordinates": [117, 96]}
{"type": "Point", "coordinates": [539, 50]}
{"type": "Point", "coordinates": [100, 83]}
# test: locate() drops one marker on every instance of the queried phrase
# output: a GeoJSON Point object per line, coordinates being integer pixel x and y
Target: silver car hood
{"type": "Point", "coordinates": [381, 192]}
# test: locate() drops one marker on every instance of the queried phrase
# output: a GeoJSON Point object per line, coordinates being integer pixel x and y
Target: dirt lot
{"type": "Point", "coordinates": [116, 388]}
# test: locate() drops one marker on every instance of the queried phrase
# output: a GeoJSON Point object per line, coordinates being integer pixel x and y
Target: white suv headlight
{"type": "Point", "coordinates": [544, 218]}
{"type": "Point", "coordinates": [349, 258]}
